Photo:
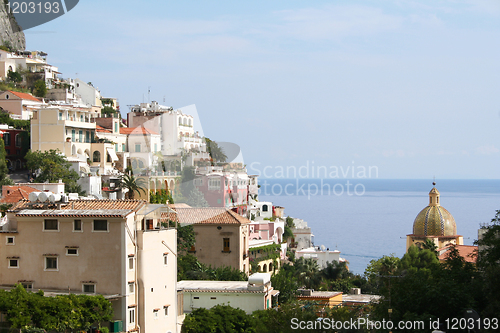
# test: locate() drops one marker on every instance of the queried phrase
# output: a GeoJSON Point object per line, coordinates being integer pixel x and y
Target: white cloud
{"type": "Point", "coordinates": [333, 22]}
{"type": "Point", "coordinates": [487, 150]}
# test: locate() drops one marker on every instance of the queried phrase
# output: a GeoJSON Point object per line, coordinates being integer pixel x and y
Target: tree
{"type": "Point", "coordinates": [286, 282]}
{"type": "Point", "coordinates": [14, 76]}
{"type": "Point", "coordinates": [307, 270]}
{"type": "Point", "coordinates": [4, 170]}
{"type": "Point", "coordinates": [385, 266]}
{"type": "Point", "coordinates": [32, 311]}
{"type": "Point", "coordinates": [40, 88]}
{"type": "Point", "coordinates": [133, 184]}
{"type": "Point", "coordinates": [487, 262]}
{"type": "Point", "coordinates": [50, 166]}
{"type": "Point", "coordinates": [216, 152]}
{"type": "Point", "coordinates": [220, 318]}
{"type": "Point", "coordinates": [196, 199]}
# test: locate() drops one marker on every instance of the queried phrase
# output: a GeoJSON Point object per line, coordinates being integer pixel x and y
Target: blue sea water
{"type": "Point", "coordinates": [368, 218]}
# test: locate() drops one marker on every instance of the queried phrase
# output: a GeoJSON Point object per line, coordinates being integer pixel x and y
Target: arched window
{"type": "Point", "coordinates": [264, 268]}
{"type": "Point", "coordinates": [97, 156]}
{"type": "Point", "coordinates": [264, 208]}
{"type": "Point", "coordinates": [6, 139]}
{"type": "Point", "coordinates": [180, 121]}
{"type": "Point", "coordinates": [18, 140]}
{"type": "Point", "coordinates": [73, 150]}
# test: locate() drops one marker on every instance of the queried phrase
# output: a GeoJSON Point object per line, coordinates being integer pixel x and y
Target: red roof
{"type": "Point", "coordinates": [24, 96]}
{"type": "Point", "coordinates": [136, 130]}
{"type": "Point", "coordinates": [13, 194]}
{"type": "Point", "coordinates": [465, 251]}
{"type": "Point", "coordinates": [101, 129]}
{"type": "Point", "coordinates": [206, 215]}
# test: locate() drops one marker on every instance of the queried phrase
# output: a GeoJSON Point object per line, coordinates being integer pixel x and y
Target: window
{"type": "Point", "coordinates": [73, 135]}
{"type": "Point", "coordinates": [87, 137]}
{"type": "Point", "coordinates": [60, 116]}
{"type": "Point", "coordinates": [264, 208]}
{"type": "Point", "coordinates": [18, 140]}
{"type": "Point", "coordinates": [165, 259]}
{"type": "Point", "coordinates": [27, 285]}
{"type": "Point", "coordinates": [80, 136]}
{"type": "Point", "coordinates": [155, 313]}
{"type": "Point", "coordinates": [97, 156]}
{"type": "Point", "coordinates": [137, 147]}
{"type": "Point", "coordinates": [123, 147]}
{"type": "Point", "coordinates": [131, 315]}
{"type": "Point", "coordinates": [156, 147]}
{"type": "Point", "coordinates": [116, 127]}
{"type": "Point", "coordinates": [72, 251]}
{"type": "Point", "coordinates": [165, 310]}
{"type": "Point", "coordinates": [6, 139]}
{"type": "Point", "coordinates": [81, 118]}
{"type": "Point", "coordinates": [50, 225]}
{"type": "Point", "coordinates": [13, 263]}
{"type": "Point", "coordinates": [51, 263]}
{"type": "Point", "coordinates": [77, 225]}
{"type": "Point", "coordinates": [226, 244]}
{"type": "Point", "coordinates": [131, 287]}
{"type": "Point", "coordinates": [196, 297]}
{"type": "Point", "coordinates": [116, 147]}
{"type": "Point", "coordinates": [100, 225]}
{"type": "Point", "coordinates": [131, 263]}
{"type": "Point", "coordinates": [10, 240]}
{"type": "Point", "coordinates": [89, 288]}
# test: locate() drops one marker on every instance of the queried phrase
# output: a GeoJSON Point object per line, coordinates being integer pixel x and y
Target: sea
{"type": "Point", "coordinates": [366, 219]}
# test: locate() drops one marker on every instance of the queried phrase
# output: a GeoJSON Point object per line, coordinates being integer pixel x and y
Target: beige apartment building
{"type": "Point", "coordinates": [115, 248]}
{"type": "Point", "coordinates": [221, 236]}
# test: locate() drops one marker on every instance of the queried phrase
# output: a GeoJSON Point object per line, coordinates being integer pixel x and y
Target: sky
{"type": "Point", "coordinates": [410, 88]}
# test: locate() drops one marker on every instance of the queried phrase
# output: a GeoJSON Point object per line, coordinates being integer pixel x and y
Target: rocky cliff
{"type": "Point", "coordinates": [10, 33]}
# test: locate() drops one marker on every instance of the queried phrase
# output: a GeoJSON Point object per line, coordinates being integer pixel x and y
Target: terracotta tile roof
{"type": "Point", "coordinates": [13, 194]}
{"type": "Point", "coordinates": [179, 205]}
{"type": "Point", "coordinates": [24, 96]}
{"type": "Point", "coordinates": [101, 129]}
{"type": "Point", "coordinates": [209, 215]}
{"type": "Point", "coordinates": [136, 130]}
{"type": "Point", "coordinates": [102, 208]}
{"type": "Point", "coordinates": [465, 251]}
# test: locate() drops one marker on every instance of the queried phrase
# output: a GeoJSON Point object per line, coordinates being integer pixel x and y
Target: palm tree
{"type": "Point", "coordinates": [308, 272]}
{"type": "Point", "coordinates": [133, 185]}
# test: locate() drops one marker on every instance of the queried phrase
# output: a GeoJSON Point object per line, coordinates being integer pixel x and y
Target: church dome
{"type": "Point", "coordinates": [434, 220]}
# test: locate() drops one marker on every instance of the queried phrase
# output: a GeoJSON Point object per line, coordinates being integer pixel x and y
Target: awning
{"type": "Point", "coordinates": [112, 154]}
{"type": "Point", "coordinates": [275, 293]}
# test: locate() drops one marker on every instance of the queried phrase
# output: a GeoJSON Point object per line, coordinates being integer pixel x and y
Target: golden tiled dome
{"type": "Point", "coordinates": [434, 220]}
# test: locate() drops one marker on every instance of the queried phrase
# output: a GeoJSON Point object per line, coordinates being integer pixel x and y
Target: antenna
{"type": "Point", "coordinates": [149, 91]}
